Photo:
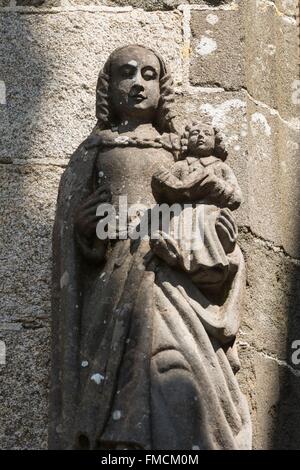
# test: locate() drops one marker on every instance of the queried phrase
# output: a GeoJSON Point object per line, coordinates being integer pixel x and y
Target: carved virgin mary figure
{"type": "Point", "coordinates": [143, 356]}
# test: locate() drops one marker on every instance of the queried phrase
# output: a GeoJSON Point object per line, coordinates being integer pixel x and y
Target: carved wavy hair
{"type": "Point", "coordinates": [219, 150]}
{"type": "Point", "coordinates": [164, 115]}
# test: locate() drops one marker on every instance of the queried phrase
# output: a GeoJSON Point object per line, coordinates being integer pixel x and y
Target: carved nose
{"type": "Point", "coordinates": [136, 89]}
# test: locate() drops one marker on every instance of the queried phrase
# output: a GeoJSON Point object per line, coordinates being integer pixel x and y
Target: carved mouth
{"type": "Point", "coordinates": [138, 98]}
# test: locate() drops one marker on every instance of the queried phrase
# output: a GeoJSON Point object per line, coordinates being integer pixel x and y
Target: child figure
{"type": "Point", "coordinates": [201, 174]}
{"type": "Point", "coordinates": [204, 182]}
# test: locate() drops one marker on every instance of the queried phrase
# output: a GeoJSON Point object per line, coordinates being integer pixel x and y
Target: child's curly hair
{"type": "Point", "coordinates": [219, 150]}
{"type": "Point", "coordinates": [164, 115]}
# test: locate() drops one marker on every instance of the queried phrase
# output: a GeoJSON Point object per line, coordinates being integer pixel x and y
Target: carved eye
{"type": "Point", "coordinates": [193, 133]}
{"type": "Point", "coordinates": [127, 71]}
{"type": "Point", "coordinates": [149, 73]}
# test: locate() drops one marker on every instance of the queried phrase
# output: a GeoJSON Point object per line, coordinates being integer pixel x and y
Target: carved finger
{"type": "Point", "coordinates": [91, 224]}
{"type": "Point", "coordinates": [194, 179]}
{"type": "Point", "coordinates": [223, 223]}
{"type": "Point", "coordinates": [161, 175]}
{"type": "Point", "coordinates": [102, 188]}
{"type": "Point", "coordinates": [223, 234]}
{"type": "Point", "coordinates": [228, 226]}
{"type": "Point", "coordinates": [228, 215]}
{"type": "Point", "coordinates": [93, 209]}
{"type": "Point", "coordinates": [97, 199]}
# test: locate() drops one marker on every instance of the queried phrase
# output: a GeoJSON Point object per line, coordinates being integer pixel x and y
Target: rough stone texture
{"type": "Point", "coordinates": [273, 169]}
{"type": "Point", "coordinates": [270, 325]}
{"type": "Point", "coordinates": [261, 384]}
{"type": "Point", "coordinates": [273, 392]}
{"type": "Point", "coordinates": [287, 7]}
{"type": "Point", "coordinates": [217, 49]}
{"type": "Point", "coordinates": [50, 65]}
{"type": "Point", "coordinates": [29, 195]}
{"type": "Point", "coordinates": [269, 303]}
{"type": "Point", "coordinates": [272, 50]}
{"type": "Point", "coordinates": [4, 3]}
{"type": "Point", "coordinates": [150, 5]}
{"type": "Point", "coordinates": [24, 389]}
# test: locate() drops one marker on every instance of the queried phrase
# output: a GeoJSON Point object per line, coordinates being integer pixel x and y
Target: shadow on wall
{"type": "Point", "coordinates": [287, 428]}
{"type": "Point", "coordinates": [25, 70]}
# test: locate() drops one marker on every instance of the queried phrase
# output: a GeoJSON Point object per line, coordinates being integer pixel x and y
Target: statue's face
{"type": "Point", "coordinates": [201, 139]}
{"type": "Point", "coordinates": [134, 88]}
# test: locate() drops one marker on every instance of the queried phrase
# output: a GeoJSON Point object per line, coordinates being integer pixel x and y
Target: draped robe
{"type": "Point", "coordinates": [142, 358]}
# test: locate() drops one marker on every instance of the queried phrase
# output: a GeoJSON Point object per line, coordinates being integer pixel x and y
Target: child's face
{"type": "Point", "coordinates": [201, 140]}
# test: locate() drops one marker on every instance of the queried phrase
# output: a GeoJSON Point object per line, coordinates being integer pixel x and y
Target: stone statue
{"type": "Point", "coordinates": [144, 328]}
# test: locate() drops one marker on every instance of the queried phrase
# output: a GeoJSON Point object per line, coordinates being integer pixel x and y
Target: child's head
{"type": "Point", "coordinates": [202, 140]}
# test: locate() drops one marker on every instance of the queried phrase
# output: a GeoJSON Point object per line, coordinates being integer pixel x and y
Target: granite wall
{"type": "Point", "coordinates": [235, 62]}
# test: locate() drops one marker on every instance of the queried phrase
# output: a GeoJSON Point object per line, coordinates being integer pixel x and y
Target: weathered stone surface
{"type": "Point", "coordinates": [287, 7]}
{"type": "Point", "coordinates": [24, 389]}
{"type": "Point", "coordinates": [151, 5]}
{"type": "Point", "coordinates": [228, 112]}
{"type": "Point", "coordinates": [28, 196]}
{"type": "Point", "coordinates": [273, 175]}
{"type": "Point", "coordinates": [4, 3]}
{"type": "Point", "coordinates": [260, 380]}
{"type": "Point", "coordinates": [38, 3]}
{"type": "Point", "coordinates": [50, 65]}
{"type": "Point", "coordinates": [288, 146]}
{"type": "Point", "coordinates": [4, 124]}
{"type": "Point", "coordinates": [268, 377]}
{"type": "Point", "coordinates": [273, 392]}
{"type": "Point", "coordinates": [272, 57]}
{"type": "Point", "coordinates": [288, 415]}
{"type": "Point", "coordinates": [217, 49]}
{"type": "Point", "coordinates": [271, 298]}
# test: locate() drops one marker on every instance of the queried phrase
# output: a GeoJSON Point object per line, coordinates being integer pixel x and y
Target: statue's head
{"type": "Point", "coordinates": [201, 139]}
{"type": "Point", "coordinates": [135, 85]}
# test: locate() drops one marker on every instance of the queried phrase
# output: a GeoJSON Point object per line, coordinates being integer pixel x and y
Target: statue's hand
{"type": "Point", "coordinates": [164, 185]}
{"type": "Point", "coordinates": [227, 230]}
{"type": "Point", "coordinates": [161, 175]}
{"type": "Point", "coordinates": [85, 217]}
{"type": "Point", "coordinates": [196, 179]}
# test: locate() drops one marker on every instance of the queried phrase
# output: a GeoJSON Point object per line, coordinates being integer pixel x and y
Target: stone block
{"type": "Point", "coordinates": [28, 196]}
{"type": "Point", "coordinates": [287, 7]}
{"type": "Point", "coordinates": [217, 49]}
{"type": "Point", "coordinates": [272, 57]}
{"type": "Point", "coordinates": [273, 177]}
{"type": "Point", "coordinates": [50, 64]}
{"type": "Point", "coordinates": [272, 391]}
{"type": "Point", "coordinates": [260, 381]}
{"type": "Point", "coordinates": [271, 320]}
{"type": "Point", "coordinates": [149, 5]}
{"type": "Point", "coordinates": [24, 389]}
